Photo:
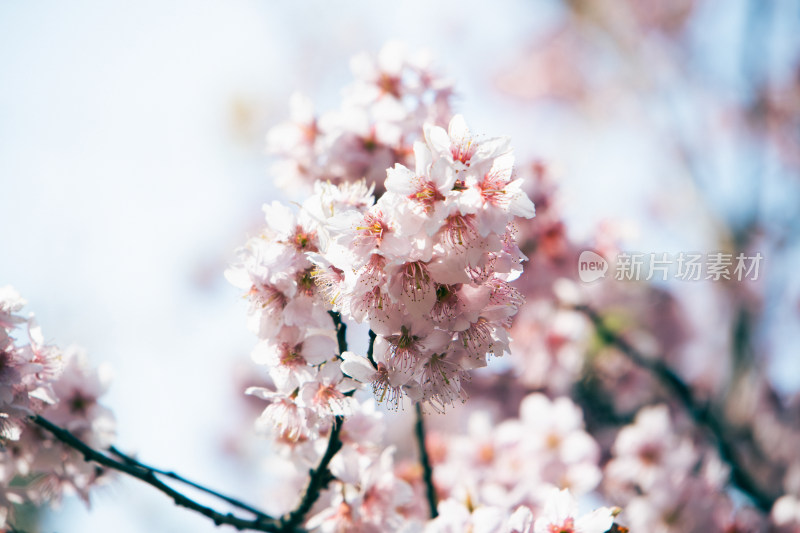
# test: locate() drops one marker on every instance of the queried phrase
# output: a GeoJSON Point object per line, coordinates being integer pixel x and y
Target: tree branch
{"type": "Point", "coordinates": [320, 477]}
{"type": "Point", "coordinates": [371, 349]}
{"type": "Point", "coordinates": [701, 414]}
{"type": "Point", "coordinates": [341, 331]}
{"type": "Point", "coordinates": [261, 523]}
{"type": "Point", "coordinates": [12, 529]}
{"type": "Point", "coordinates": [424, 459]}
{"type": "Point", "coordinates": [127, 459]}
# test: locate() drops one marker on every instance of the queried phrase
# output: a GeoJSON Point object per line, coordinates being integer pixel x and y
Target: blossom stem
{"type": "Point", "coordinates": [701, 414]}
{"type": "Point", "coordinates": [424, 459]}
{"type": "Point", "coordinates": [371, 349]}
{"type": "Point", "coordinates": [127, 459]}
{"type": "Point", "coordinates": [320, 477]}
{"type": "Point", "coordinates": [341, 331]}
{"type": "Point", "coordinates": [262, 522]}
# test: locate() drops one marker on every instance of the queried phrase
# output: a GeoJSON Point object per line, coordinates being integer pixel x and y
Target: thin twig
{"type": "Point", "coordinates": [701, 414]}
{"type": "Point", "coordinates": [371, 349]}
{"type": "Point", "coordinates": [320, 477]}
{"type": "Point", "coordinates": [425, 461]}
{"type": "Point", "coordinates": [261, 523]}
{"type": "Point", "coordinates": [341, 331]}
{"type": "Point", "coordinates": [127, 459]}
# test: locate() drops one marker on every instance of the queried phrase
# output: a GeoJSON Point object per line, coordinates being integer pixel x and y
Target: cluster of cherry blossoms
{"type": "Point", "coordinates": [40, 379]}
{"type": "Point", "coordinates": [559, 514]}
{"type": "Point", "coordinates": [516, 461]}
{"type": "Point", "coordinates": [411, 234]}
{"type": "Point", "coordinates": [375, 127]}
{"type": "Point", "coordinates": [427, 266]}
{"type": "Point", "coordinates": [534, 465]}
{"type": "Point", "coordinates": [371, 490]}
{"type": "Point", "coordinates": [667, 475]}
{"type": "Point", "coordinates": [667, 483]}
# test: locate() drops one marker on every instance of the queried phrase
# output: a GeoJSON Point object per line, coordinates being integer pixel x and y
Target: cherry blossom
{"type": "Point", "coordinates": [37, 378]}
{"type": "Point", "coordinates": [560, 514]}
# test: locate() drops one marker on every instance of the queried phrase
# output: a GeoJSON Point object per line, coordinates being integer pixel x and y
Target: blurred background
{"type": "Point", "coordinates": [132, 165]}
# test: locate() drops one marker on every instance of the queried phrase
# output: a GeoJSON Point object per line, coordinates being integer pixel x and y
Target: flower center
{"type": "Point", "coordinates": [303, 241]}
{"type": "Point", "coordinates": [79, 403]}
{"type": "Point", "coordinates": [373, 226]}
{"type": "Point", "coordinates": [290, 355]}
{"type": "Point", "coordinates": [305, 281]}
{"type": "Point", "coordinates": [567, 527]}
{"type": "Point", "coordinates": [463, 151]}
{"type": "Point", "coordinates": [268, 297]}
{"type": "Point", "coordinates": [427, 194]}
{"type": "Point", "coordinates": [389, 85]}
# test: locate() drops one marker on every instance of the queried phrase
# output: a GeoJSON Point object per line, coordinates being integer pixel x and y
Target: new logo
{"type": "Point", "coordinates": [591, 266]}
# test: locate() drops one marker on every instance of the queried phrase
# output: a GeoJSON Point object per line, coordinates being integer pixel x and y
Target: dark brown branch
{"type": "Point", "coordinates": [341, 331]}
{"type": "Point", "coordinates": [320, 477]}
{"type": "Point", "coordinates": [127, 459]}
{"type": "Point", "coordinates": [260, 523]}
{"type": "Point", "coordinates": [371, 348]}
{"type": "Point", "coordinates": [701, 414]}
{"type": "Point", "coordinates": [425, 461]}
